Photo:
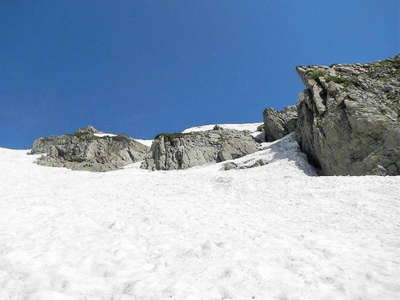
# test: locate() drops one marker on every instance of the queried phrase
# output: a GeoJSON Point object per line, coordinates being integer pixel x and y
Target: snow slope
{"type": "Point", "coordinates": [271, 232]}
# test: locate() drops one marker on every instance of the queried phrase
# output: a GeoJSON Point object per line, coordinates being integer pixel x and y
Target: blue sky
{"type": "Point", "coordinates": [149, 66]}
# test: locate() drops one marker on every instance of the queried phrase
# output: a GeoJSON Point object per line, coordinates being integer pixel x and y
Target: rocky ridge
{"type": "Point", "coordinates": [347, 122]}
{"type": "Point", "coordinates": [185, 150]}
{"type": "Point", "coordinates": [88, 149]}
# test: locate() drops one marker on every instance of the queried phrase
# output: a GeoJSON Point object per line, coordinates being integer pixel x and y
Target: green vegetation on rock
{"type": "Point", "coordinates": [170, 136]}
{"type": "Point", "coordinates": [315, 74]}
{"type": "Point", "coordinates": [86, 136]}
{"type": "Point", "coordinates": [346, 81]}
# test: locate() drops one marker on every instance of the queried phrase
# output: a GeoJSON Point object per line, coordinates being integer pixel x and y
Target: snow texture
{"type": "Point", "coordinates": [104, 134]}
{"type": "Point", "coordinates": [269, 232]}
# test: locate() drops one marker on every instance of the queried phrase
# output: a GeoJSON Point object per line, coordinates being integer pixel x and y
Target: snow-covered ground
{"type": "Point", "coordinates": [271, 232]}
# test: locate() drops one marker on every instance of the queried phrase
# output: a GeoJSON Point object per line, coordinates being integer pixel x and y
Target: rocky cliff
{"type": "Point", "coordinates": [349, 117]}
{"type": "Point", "coordinates": [88, 149]}
{"type": "Point", "coordinates": [185, 150]}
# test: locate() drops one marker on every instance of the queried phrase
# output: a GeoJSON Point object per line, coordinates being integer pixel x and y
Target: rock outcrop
{"type": "Point", "coordinates": [88, 149]}
{"type": "Point", "coordinates": [277, 123]}
{"type": "Point", "coordinates": [349, 118]}
{"type": "Point", "coordinates": [256, 163]}
{"type": "Point", "coordinates": [185, 150]}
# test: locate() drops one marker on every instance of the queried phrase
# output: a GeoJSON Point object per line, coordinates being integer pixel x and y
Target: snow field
{"type": "Point", "coordinates": [271, 232]}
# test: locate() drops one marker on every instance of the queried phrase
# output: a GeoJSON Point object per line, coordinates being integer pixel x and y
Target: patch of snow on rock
{"type": "Point", "coordinates": [103, 134]}
{"type": "Point", "coordinates": [252, 127]}
{"type": "Point", "coordinates": [145, 142]}
{"type": "Point", "coordinates": [285, 152]}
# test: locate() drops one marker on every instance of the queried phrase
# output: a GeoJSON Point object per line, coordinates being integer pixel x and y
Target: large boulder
{"type": "Point", "coordinates": [349, 118]}
{"type": "Point", "coordinates": [88, 149]}
{"type": "Point", "coordinates": [277, 123]}
{"type": "Point", "coordinates": [185, 150]}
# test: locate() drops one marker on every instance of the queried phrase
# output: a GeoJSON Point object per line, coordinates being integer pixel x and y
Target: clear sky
{"type": "Point", "coordinates": [149, 66]}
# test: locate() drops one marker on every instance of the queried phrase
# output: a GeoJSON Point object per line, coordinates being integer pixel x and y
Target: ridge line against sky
{"type": "Point", "coordinates": [144, 67]}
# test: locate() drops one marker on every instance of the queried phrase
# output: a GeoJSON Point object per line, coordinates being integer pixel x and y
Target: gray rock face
{"type": "Point", "coordinates": [277, 124]}
{"type": "Point", "coordinates": [257, 163]}
{"type": "Point", "coordinates": [185, 150]}
{"type": "Point", "coordinates": [83, 150]}
{"type": "Point", "coordinates": [349, 118]}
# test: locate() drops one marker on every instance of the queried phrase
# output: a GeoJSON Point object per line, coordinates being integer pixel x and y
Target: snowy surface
{"type": "Point", "coordinates": [103, 134]}
{"type": "Point", "coordinates": [271, 232]}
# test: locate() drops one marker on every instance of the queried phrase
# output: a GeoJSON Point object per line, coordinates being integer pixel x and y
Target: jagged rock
{"type": "Point", "coordinates": [83, 150]}
{"type": "Point", "coordinates": [185, 150]}
{"type": "Point", "coordinates": [218, 127]}
{"type": "Point", "coordinates": [260, 127]}
{"type": "Point", "coordinates": [349, 118]}
{"type": "Point", "coordinates": [277, 124]}
{"type": "Point", "coordinates": [88, 129]}
{"type": "Point", "coordinates": [246, 165]}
